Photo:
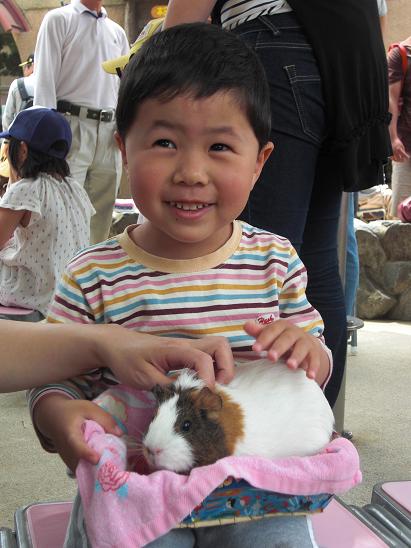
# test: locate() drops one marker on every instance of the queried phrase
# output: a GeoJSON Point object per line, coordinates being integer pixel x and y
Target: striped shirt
{"type": "Point", "coordinates": [236, 12]}
{"type": "Point", "coordinates": [254, 276]}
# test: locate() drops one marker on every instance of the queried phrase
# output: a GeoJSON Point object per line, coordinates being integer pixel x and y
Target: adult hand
{"type": "Point", "coordinates": [142, 361]}
{"type": "Point", "coordinates": [399, 152]}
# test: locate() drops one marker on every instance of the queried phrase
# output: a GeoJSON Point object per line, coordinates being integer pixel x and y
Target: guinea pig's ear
{"type": "Point", "coordinates": [208, 400]}
{"type": "Point", "coordinates": [162, 393]}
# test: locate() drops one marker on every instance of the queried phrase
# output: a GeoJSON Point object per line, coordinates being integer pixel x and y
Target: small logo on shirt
{"type": "Point", "coordinates": [265, 319]}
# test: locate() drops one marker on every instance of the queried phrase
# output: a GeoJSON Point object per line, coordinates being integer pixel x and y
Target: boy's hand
{"type": "Point", "coordinates": [282, 339]}
{"type": "Point", "coordinates": [63, 419]}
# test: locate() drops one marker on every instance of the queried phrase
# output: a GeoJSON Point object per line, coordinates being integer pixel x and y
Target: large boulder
{"type": "Point", "coordinates": [397, 277]}
{"type": "Point", "coordinates": [372, 302]}
{"type": "Point", "coordinates": [370, 250]}
{"type": "Point", "coordinates": [402, 310]}
{"type": "Point", "coordinates": [396, 242]}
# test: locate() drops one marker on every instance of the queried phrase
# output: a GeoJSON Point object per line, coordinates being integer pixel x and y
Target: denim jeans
{"type": "Point", "coordinates": [292, 198]}
{"type": "Point", "coordinates": [352, 267]}
{"type": "Point", "coordinates": [273, 532]}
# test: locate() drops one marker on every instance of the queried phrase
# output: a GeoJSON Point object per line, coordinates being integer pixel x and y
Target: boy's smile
{"type": "Point", "coordinates": [191, 164]}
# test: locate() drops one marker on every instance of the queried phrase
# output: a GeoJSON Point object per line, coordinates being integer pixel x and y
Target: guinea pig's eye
{"type": "Point", "coordinates": [185, 427]}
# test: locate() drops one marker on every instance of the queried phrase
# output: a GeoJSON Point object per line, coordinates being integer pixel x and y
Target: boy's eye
{"type": "Point", "coordinates": [165, 143]}
{"type": "Point", "coordinates": [219, 147]}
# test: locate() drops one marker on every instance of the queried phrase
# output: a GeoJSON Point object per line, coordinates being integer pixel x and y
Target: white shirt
{"type": "Point", "coordinates": [33, 260]}
{"type": "Point", "coordinates": [72, 43]}
{"type": "Point", "coordinates": [14, 100]}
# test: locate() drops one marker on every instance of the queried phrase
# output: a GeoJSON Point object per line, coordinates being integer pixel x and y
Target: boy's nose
{"type": "Point", "coordinates": [191, 172]}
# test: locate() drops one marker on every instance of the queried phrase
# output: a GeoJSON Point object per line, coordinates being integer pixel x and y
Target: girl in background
{"type": "Point", "coordinates": [44, 213]}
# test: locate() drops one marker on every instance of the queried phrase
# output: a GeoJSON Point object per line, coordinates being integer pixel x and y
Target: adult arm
{"type": "Point", "coordinates": [187, 11]}
{"type": "Point", "coordinates": [48, 55]}
{"type": "Point", "coordinates": [398, 149]}
{"type": "Point", "coordinates": [136, 359]}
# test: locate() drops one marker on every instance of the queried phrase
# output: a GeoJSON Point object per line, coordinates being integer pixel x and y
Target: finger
{"type": "Point", "coordinates": [224, 364]}
{"type": "Point", "coordinates": [298, 354]}
{"type": "Point", "coordinates": [282, 344]}
{"type": "Point", "coordinates": [203, 364]}
{"type": "Point", "coordinates": [173, 358]}
{"type": "Point", "coordinates": [104, 419]}
{"type": "Point", "coordinates": [253, 328]}
{"type": "Point", "coordinates": [78, 449]}
{"type": "Point", "coordinates": [268, 336]}
{"type": "Point", "coordinates": [314, 364]}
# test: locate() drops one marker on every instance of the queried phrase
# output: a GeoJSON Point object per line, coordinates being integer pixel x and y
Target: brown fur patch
{"type": "Point", "coordinates": [231, 419]}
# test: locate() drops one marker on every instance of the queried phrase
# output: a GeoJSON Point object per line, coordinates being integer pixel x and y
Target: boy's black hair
{"type": "Point", "coordinates": [200, 60]}
{"type": "Point", "coordinates": [36, 162]}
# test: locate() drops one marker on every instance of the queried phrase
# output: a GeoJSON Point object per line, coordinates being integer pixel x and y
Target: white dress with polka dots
{"type": "Point", "coordinates": [33, 260]}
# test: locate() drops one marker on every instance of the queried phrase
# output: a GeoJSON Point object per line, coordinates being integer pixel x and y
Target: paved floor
{"type": "Point", "coordinates": [378, 411]}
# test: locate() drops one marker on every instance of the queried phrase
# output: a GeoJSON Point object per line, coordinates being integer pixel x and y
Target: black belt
{"type": "Point", "coordinates": [94, 114]}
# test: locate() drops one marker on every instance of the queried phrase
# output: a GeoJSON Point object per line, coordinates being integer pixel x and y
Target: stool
{"type": "Point", "coordinates": [42, 525]}
{"type": "Point", "coordinates": [395, 496]}
{"type": "Point", "coordinates": [20, 314]}
{"type": "Point", "coordinates": [353, 325]}
{"type": "Point", "coordinates": [7, 539]}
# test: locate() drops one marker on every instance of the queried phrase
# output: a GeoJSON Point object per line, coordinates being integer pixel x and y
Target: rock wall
{"type": "Point", "coordinates": [384, 249]}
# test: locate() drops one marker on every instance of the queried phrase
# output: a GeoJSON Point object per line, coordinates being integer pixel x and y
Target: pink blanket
{"type": "Point", "coordinates": [129, 509]}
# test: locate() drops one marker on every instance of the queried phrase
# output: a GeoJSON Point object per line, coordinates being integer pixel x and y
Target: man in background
{"type": "Point", "coordinates": [72, 43]}
{"type": "Point", "coordinates": [21, 93]}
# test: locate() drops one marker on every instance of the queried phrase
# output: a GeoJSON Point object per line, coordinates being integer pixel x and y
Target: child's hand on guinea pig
{"type": "Point", "coordinates": [282, 339]}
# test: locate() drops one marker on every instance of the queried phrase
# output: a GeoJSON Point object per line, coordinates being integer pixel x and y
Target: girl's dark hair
{"type": "Point", "coordinates": [200, 60]}
{"type": "Point", "coordinates": [36, 162]}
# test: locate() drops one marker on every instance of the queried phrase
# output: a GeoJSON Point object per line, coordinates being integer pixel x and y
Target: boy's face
{"type": "Point", "coordinates": [191, 164]}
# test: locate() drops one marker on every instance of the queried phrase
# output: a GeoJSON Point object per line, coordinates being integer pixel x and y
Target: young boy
{"type": "Point", "coordinates": [193, 126]}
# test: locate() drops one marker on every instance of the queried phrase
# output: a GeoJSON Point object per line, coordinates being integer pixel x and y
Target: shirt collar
{"type": "Point", "coordinates": [81, 8]}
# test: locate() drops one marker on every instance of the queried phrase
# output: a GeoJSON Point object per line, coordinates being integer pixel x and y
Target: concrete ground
{"type": "Point", "coordinates": [378, 411]}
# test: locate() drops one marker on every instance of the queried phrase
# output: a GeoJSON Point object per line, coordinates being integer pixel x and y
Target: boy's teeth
{"type": "Point", "coordinates": [188, 207]}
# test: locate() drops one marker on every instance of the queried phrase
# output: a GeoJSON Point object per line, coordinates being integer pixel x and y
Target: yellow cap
{"type": "Point", "coordinates": [116, 66]}
{"type": "Point", "coordinates": [4, 163]}
{"type": "Point", "coordinates": [28, 61]}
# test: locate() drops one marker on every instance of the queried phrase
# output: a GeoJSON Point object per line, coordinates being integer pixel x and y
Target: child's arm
{"type": "Point", "coordinates": [297, 335]}
{"type": "Point", "coordinates": [9, 221]}
{"type": "Point", "coordinates": [58, 410]}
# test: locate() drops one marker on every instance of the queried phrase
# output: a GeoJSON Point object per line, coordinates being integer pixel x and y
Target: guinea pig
{"type": "Point", "coordinates": [267, 410]}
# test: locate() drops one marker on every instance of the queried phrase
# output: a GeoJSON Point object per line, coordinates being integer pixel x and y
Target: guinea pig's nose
{"type": "Point", "coordinates": [154, 451]}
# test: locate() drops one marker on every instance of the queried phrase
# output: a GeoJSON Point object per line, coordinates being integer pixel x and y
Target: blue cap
{"type": "Point", "coordinates": [43, 130]}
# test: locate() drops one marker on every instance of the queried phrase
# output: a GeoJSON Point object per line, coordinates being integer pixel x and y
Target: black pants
{"type": "Point", "coordinates": [291, 198]}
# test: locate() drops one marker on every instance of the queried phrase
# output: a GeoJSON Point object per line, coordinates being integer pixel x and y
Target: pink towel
{"type": "Point", "coordinates": [144, 507]}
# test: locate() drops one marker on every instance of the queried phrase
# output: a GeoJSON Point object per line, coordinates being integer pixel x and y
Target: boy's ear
{"type": "Point", "coordinates": [121, 145]}
{"type": "Point", "coordinates": [261, 160]}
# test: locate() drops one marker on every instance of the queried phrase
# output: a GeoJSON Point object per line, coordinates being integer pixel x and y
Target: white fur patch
{"type": "Point", "coordinates": [188, 379]}
{"type": "Point", "coordinates": [169, 450]}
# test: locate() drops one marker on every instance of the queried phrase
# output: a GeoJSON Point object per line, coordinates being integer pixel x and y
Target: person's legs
{"type": "Point", "coordinates": [177, 538]}
{"type": "Point", "coordinates": [103, 181]}
{"type": "Point", "coordinates": [352, 267]}
{"type": "Point", "coordinates": [279, 201]}
{"type": "Point", "coordinates": [401, 184]}
{"type": "Point", "coordinates": [275, 532]}
{"type": "Point", "coordinates": [82, 148]}
{"type": "Point", "coordinates": [288, 199]}
{"type": "Point", "coordinates": [319, 253]}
